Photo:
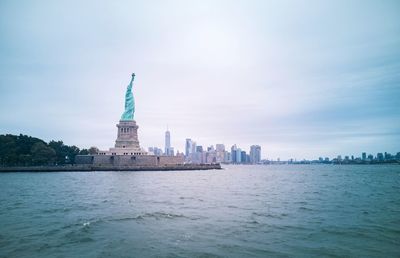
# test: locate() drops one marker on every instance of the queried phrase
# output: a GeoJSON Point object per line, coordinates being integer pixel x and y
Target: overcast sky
{"type": "Point", "coordinates": [302, 79]}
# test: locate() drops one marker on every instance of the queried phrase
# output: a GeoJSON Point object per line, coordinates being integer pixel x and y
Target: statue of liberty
{"type": "Point", "coordinates": [129, 103]}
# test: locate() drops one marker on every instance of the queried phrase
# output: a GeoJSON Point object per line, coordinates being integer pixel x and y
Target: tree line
{"type": "Point", "coordinates": [23, 150]}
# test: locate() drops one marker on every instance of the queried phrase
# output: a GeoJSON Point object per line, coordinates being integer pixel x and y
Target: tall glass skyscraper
{"type": "Point", "coordinates": [167, 143]}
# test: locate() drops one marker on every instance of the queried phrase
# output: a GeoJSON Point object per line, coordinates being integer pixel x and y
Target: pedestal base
{"type": "Point", "coordinates": [127, 137]}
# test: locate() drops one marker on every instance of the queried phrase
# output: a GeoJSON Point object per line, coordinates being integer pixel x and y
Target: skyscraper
{"type": "Point", "coordinates": [220, 153]}
{"type": "Point", "coordinates": [233, 153]}
{"type": "Point", "coordinates": [194, 145]}
{"type": "Point", "coordinates": [255, 154]}
{"type": "Point", "coordinates": [227, 157]}
{"type": "Point", "coordinates": [238, 155]}
{"type": "Point", "coordinates": [243, 157]}
{"type": "Point", "coordinates": [188, 147]}
{"type": "Point", "coordinates": [167, 143]}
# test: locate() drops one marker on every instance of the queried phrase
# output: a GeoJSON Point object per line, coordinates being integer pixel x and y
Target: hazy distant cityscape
{"type": "Point", "coordinates": [198, 154]}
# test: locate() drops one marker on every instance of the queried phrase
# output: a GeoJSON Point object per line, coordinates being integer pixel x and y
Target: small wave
{"type": "Point", "coordinates": [305, 208]}
{"type": "Point", "coordinates": [187, 198]}
{"type": "Point", "coordinates": [50, 211]}
{"type": "Point", "coordinates": [82, 224]}
{"type": "Point", "coordinates": [155, 215]}
{"type": "Point", "coordinates": [139, 217]}
{"type": "Point", "coordinates": [18, 203]}
{"type": "Point", "coordinates": [269, 215]}
{"type": "Point", "coordinates": [79, 234]}
{"type": "Point", "coordinates": [201, 255]}
{"type": "Point", "coordinates": [52, 232]}
{"type": "Point", "coordinates": [86, 239]}
{"type": "Point", "coordinates": [163, 215]}
{"type": "Point", "coordinates": [301, 203]}
{"type": "Point", "coordinates": [78, 237]}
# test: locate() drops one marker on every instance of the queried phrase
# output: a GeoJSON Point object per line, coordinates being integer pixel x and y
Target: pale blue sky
{"type": "Point", "coordinates": [301, 78]}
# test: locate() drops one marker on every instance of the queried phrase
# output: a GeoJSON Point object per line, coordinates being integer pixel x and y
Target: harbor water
{"type": "Point", "coordinates": [240, 211]}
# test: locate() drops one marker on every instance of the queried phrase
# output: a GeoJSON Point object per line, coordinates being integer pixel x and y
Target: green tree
{"type": "Point", "coordinates": [72, 152]}
{"type": "Point", "coordinates": [19, 150]}
{"type": "Point", "coordinates": [43, 154]}
{"type": "Point", "coordinates": [93, 150]}
{"type": "Point", "coordinates": [83, 152]}
{"type": "Point", "coordinates": [8, 150]}
{"type": "Point", "coordinates": [61, 151]}
{"type": "Point", "coordinates": [25, 159]}
{"type": "Point", "coordinates": [16, 149]}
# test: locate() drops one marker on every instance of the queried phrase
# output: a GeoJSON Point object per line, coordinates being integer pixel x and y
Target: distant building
{"type": "Point", "coordinates": [220, 153]}
{"type": "Point", "coordinates": [188, 147]}
{"type": "Point", "coordinates": [227, 157]}
{"type": "Point", "coordinates": [255, 154]}
{"type": "Point", "coordinates": [199, 148]}
{"type": "Point", "coordinates": [194, 145]}
{"type": "Point", "coordinates": [233, 154]}
{"type": "Point", "coordinates": [364, 156]}
{"type": "Point", "coordinates": [156, 151]}
{"type": "Point", "coordinates": [243, 157]}
{"type": "Point", "coordinates": [211, 157]}
{"type": "Point", "coordinates": [379, 156]}
{"type": "Point", "coordinates": [220, 147]}
{"type": "Point", "coordinates": [238, 155]}
{"type": "Point", "coordinates": [167, 149]}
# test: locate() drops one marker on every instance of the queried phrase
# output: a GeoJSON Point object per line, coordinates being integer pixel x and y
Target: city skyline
{"type": "Point", "coordinates": [300, 80]}
{"type": "Point", "coordinates": [221, 154]}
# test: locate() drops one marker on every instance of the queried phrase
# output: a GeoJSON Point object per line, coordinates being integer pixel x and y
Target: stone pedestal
{"type": "Point", "coordinates": [127, 142]}
{"type": "Point", "coordinates": [127, 136]}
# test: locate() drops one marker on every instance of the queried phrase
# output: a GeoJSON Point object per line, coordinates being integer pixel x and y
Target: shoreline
{"type": "Point", "coordinates": [91, 168]}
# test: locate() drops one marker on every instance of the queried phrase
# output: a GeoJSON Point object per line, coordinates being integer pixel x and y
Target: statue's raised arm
{"type": "Point", "coordinates": [129, 102]}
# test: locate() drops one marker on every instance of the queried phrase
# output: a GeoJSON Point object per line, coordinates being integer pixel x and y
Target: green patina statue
{"type": "Point", "coordinates": [129, 103]}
